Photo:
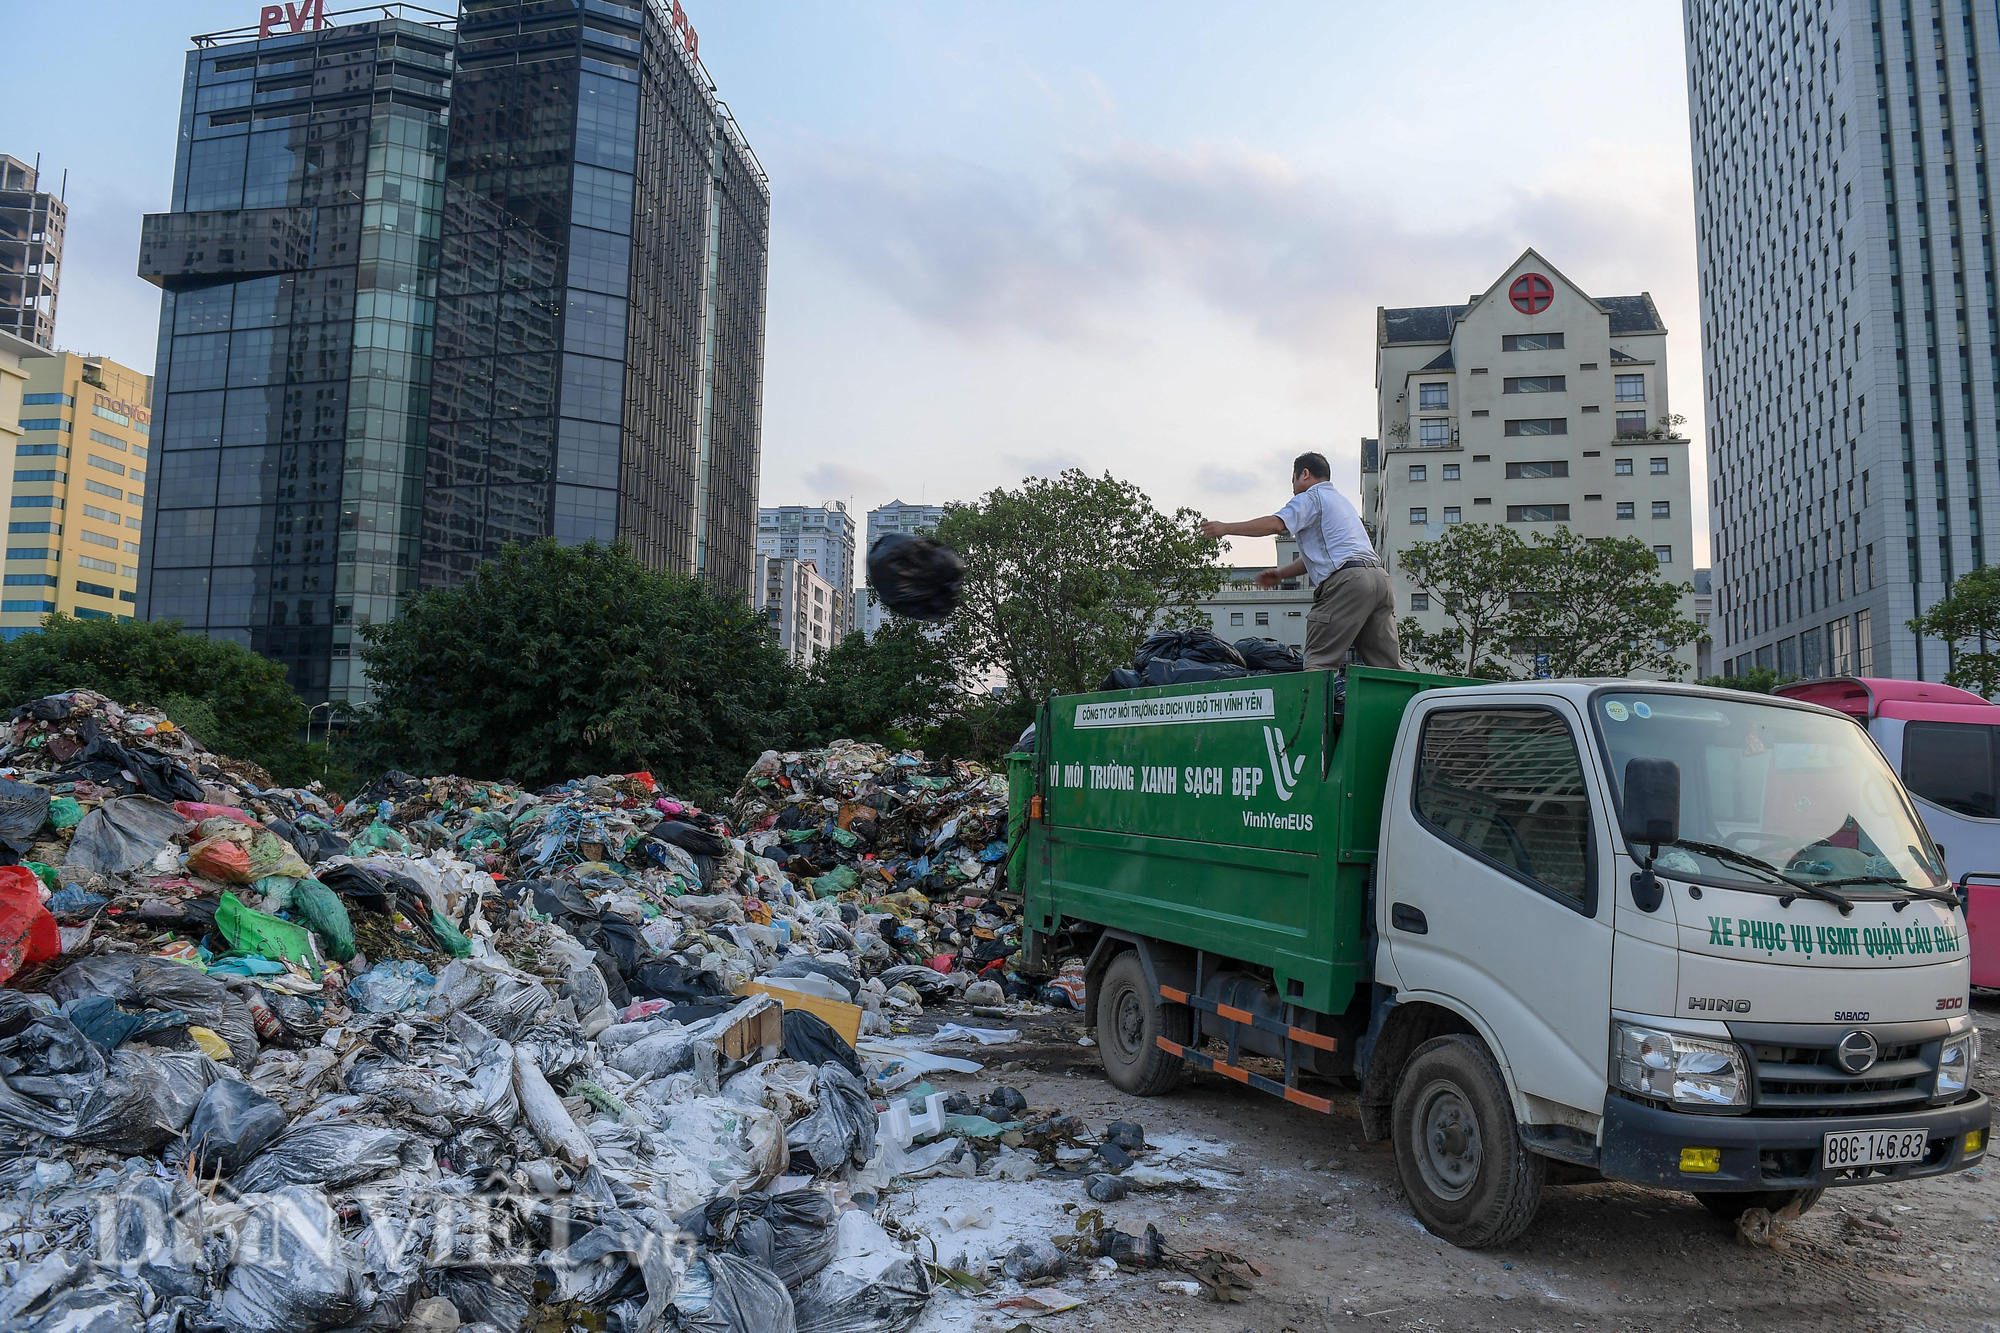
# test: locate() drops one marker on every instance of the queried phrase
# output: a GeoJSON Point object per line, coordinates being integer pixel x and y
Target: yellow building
{"type": "Point", "coordinates": [79, 492]}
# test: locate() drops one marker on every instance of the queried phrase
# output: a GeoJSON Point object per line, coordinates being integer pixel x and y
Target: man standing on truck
{"type": "Point", "coordinates": [1353, 604]}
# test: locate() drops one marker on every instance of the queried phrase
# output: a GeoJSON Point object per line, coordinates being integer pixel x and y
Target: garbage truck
{"type": "Point", "coordinates": [1548, 931]}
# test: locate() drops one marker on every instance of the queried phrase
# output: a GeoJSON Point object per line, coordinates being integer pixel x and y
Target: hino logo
{"type": "Point", "coordinates": [1715, 1005]}
{"type": "Point", "coordinates": [1285, 769]}
{"type": "Point", "coordinates": [1856, 1052]}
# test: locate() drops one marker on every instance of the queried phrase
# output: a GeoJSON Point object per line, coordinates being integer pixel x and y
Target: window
{"type": "Point", "coordinates": [31, 553]}
{"type": "Point", "coordinates": [1631, 388]}
{"type": "Point", "coordinates": [1420, 601]}
{"type": "Point", "coordinates": [1451, 472]}
{"type": "Point", "coordinates": [1539, 426]}
{"type": "Point", "coordinates": [1235, 617]}
{"type": "Point", "coordinates": [1434, 432]}
{"type": "Point", "coordinates": [1665, 554]}
{"type": "Point", "coordinates": [119, 417]}
{"type": "Point", "coordinates": [108, 441]}
{"type": "Point", "coordinates": [1530, 471]}
{"type": "Point", "coordinates": [101, 515]}
{"type": "Point", "coordinates": [99, 539]}
{"type": "Point", "coordinates": [1538, 513]}
{"type": "Point", "coordinates": [1632, 423]}
{"type": "Point", "coordinates": [11, 605]}
{"type": "Point", "coordinates": [100, 488]}
{"type": "Point", "coordinates": [1263, 617]}
{"type": "Point", "coordinates": [1531, 342]}
{"type": "Point", "coordinates": [1433, 397]}
{"type": "Point", "coordinates": [1625, 509]}
{"type": "Point", "coordinates": [1586, 365]}
{"type": "Point", "coordinates": [106, 464]}
{"type": "Point", "coordinates": [37, 502]}
{"type": "Point", "coordinates": [1534, 384]}
{"type": "Point", "coordinates": [1506, 786]}
{"type": "Point", "coordinates": [95, 589]}
{"type": "Point", "coordinates": [1621, 467]}
{"type": "Point", "coordinates": [41, 451]}
{"type": "Point", "coordinates": [1951, 764]}
{"type": "Point", "coordinates": [1420, 516]}
{"type": "Point", "coordinates": [50, 529]}
{"type": "Point", "coordinates": [1663, 509]}
{"type": "Point", "coordinates": [1418, 472]}
{"type": "Point", "coordinates": [1658, 467]}
{"type": "Point", "coordinates": [32, 581]}
{"type": "Point", "coordinates": [101, 566]}
{"type": "Point", "coordinates": [37, 474]}
{"type": "Point", "coordinates": [46, 399]}
{"type": "Point", "coordinates": [1451, 513]}
{"type": "Point", "coordinates": [44, 423]}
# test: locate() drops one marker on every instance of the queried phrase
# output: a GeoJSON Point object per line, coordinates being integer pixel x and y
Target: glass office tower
{"type": "Point", "coordinates": [498, 280]}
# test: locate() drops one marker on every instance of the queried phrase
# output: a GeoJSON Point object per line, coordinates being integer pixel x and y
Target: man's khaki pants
{"type": "Point", "coordinates": [1354, 608]}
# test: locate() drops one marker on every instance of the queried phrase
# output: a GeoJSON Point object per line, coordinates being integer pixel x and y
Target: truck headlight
{"type": "Point", "coordinates": [1955, 1063]}
{"type": "Point", "coordinates": [1692, 1072]}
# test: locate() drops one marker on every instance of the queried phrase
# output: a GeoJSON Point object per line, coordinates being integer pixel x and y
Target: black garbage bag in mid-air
{"type": "Point", "coordinates": [915, 576]}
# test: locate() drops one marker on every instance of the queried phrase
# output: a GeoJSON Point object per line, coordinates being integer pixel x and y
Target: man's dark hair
{"type": "Point", "coordinates": [1313, 463]}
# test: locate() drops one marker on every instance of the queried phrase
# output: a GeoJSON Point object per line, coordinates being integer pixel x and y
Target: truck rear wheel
{"type": "Point", "coordinates": [1731, 1206]}
{"type": "Point", "coordinates": [1130, 1019]}
{"type": "Point", "coordinates": [1470, 1179]}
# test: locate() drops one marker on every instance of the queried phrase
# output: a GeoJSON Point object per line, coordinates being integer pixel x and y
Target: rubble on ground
{"type": "Point", "coordinates": [452, 1053]}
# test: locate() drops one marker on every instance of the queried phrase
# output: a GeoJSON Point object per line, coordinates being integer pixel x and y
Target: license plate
{"type": "Point", "coordinates": [1873, 1147]}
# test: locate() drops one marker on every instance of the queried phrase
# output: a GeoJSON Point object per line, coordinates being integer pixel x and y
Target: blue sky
{"type": "Point", "coordinates": [1008, 239]}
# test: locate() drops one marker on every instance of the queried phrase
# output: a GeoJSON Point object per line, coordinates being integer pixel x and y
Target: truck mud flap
{"type": "Point", "coordinates": [1231, 1016]}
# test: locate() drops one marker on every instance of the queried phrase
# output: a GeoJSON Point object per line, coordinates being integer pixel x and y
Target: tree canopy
{"type": "Point", "coordinates": [551, 662]}
{"type": "Point", "coordinates": [1559, 605]}
{"type": "Point", "coordinates": [1968, 619]}
{"type": "Point", "coordinates": [1065, 575]}
{"type": "Point", "coordinates": [230, 699]}
{"type": "Point", "coordinates": [892, 690]}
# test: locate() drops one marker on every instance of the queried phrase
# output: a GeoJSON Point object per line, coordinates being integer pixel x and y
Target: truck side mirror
{"type": "Point", "coordinates": [1652, 805]}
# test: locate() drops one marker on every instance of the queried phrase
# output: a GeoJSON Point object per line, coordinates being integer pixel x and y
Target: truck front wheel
{"type": "Point", "coordinates": [1130, 1019]}
{"type": "Point", "coordinates": [1469, 1177]}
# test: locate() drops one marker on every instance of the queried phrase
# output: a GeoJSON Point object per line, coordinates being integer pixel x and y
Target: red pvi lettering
{"type": "Point", "coordinates": [1952, 1002]}
{"type": "Point", "coordinates": [298, 16]}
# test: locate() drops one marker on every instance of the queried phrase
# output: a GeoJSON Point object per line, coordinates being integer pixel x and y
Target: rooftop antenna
{"type": "Point", "coordinates": [64, 196]}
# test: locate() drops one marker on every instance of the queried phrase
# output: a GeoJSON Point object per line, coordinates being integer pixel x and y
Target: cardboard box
{"type": "Point", "coordinates": [842, 1018]}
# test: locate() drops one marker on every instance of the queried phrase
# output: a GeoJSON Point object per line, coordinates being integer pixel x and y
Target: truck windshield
{"type": "Point", "coordinates": [1804, 792]}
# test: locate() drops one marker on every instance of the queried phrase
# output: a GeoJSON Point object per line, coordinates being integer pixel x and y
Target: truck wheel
{"type": "Point", "coordinates": [1469, 1177]}
{"type": "Point", "coordinates": [1129, 1019]}
{"type": "Point", "coordinates": [1731, 1206]}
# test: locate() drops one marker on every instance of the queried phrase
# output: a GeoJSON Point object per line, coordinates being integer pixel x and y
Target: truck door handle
{"type": "Point", "coordinates": [1405, 917]}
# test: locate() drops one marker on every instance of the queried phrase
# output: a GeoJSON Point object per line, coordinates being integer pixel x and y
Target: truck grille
{"type": "Point", "coordinates": [1806, 1080]}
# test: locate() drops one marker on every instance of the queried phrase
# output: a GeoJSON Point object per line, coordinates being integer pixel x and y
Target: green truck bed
{"type": "Point", "coordinates": [1236, 817]}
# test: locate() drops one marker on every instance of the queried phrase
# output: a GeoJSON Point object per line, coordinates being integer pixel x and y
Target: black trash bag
{"type": "Point", "coordinates": [99, 1018]}
{"type": "Point", "coordinates": [55, 1081]}
{"type": "Point", "coordinates": [231, 1125]}
{"type": "Point", "coordinates": [88, 1298]}
{"type": "Point", "coordinates": [690, 839]}
{"type": "Point", "coordinates": [24, 808]}
{"type": "Point", "coordinates": [159, 983]}
{"type": "Point", "coordinates": [915, 576]}
{"type": "Point", "coordinates": [395, 787]}
{"type": "Point", "coordinates": [1185, 645]}
{"type": "Point", "coordinates": [330, 1153]}
{"type": "Point", "coordinates": [793, 1234]}
{"type": "Point", "coordinates": [661, 980]}
{"type": "Point", "coordinates": [562, 900]}
{"type": "Point", "coordinates": [153, 1235]}
{"type": "Point", "coordinates": [122, 834]}
{"type": "Point", "coordinates": [1025, 743]}
{"type": "Point", "coordinates": [48, 708]}
{"type": "Point", "coordinates": [739, 1296]}
{"type": "Point", "coordinates": [1270, 655]}
{"type": "Point", "coordinates": [839, 974]}
{"type": "Point", "coordinates": [312, 845]}
{"type": "Point", "coordinates": [810, 1038]}
{"type": "Point", "coordinates": [110, 764]}
{"type": "Point", "coordinates": [302, 1019]}
{"type": "Point", "coordinates": [628, 949]}
{"type": "Point", "coordinates": [498, 1294]}
{"type": "Point", "coordinates": [293, 1270]}
{"type": "Point", "coordinates": [1121, 678]}
{"type": "Point", "coordinates": [1161, 671]}
{"type": "Point", "coordinates": [928, 982]}
{"type": "Point", "coordinates": [871, 1292]}
{"type": "Point", "coordinates": [841, 1130]}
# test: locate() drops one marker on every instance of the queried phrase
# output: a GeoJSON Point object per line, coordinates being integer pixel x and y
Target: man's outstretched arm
{"type": "Point", "coordinates": [1271, 578]}
{"type": "Point", "coordinates": [1253, 527]}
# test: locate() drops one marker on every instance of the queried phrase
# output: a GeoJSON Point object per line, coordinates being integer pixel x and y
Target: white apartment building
{"type": "Point", "coordinates": [894, 517]}
{"type": "Point", "coordinates": [824, 535]}
{"type": "Point", "coordinates": [1532, 404]}
{"type": "Point", "coordinates": [1242, 610]}
{"type": "Point", "coordinates": [1850, 327]}
{"type": "Point", "coordinates": [800, 605]}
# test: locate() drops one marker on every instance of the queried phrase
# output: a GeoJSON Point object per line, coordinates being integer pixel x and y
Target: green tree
{"type": "Point", "coordinates": [1968, 615]}
{"type": "Point", "coordinates": [1471, 573]}
{"type": "Point", "coordinates": [230, 699]}
{"type": "Point", "coordinates": [1064, 577]}
{"type": "Point", "coordinates": [891, 690]}
{"type": "Point", "coordinates": [1559, 605]}
{"type": "Point", "coordinates": [1598, 607]}
{"type": "Point", "coordinates": [1757, 680]}
{"type": "Point", "coordinates": [551, 662]}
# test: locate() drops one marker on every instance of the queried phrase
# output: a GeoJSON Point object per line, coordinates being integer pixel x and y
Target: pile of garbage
{"type": "Point", "coordinates": [1181, 656]}
{"type": "Point", "coordinates": [455, 1052]}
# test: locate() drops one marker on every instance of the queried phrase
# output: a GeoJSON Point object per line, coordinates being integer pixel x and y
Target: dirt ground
{"type": "Point", "coordinates": [1322, 1216]}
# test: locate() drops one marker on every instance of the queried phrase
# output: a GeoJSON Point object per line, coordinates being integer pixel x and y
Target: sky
{"type": "Point", "coordinates": [1008, 239]}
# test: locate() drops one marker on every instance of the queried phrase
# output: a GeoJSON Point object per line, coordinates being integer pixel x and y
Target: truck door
{"type": "Point", "coordinates": [1489, 885]}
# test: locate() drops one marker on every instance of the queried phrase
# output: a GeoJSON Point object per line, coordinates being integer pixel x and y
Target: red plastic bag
{"type": "Point", "coordinates": [646, 780]}
{"type": "Point", "coordinates": [942, 962]}
{"type": "Point", "coordinates": [221, 859]}
{"type": "Point", "coordinates": [196, 811]}
{"type": "Point", "coordinates": [28, 933]}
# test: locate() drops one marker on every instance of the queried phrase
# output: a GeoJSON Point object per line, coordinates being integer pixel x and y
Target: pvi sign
{"type": "Point", "coordinates": [297, 16]}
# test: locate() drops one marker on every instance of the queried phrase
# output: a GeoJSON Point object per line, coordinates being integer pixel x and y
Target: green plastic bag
{"type": "Point", "coordinates": [321, 909]}
{"type": "Point", "coordinates": [379, 837]}
{"type": "Point", "coordinates": [449, 936]}
{"type": "Point", "coordinates": [254, 932]}
{"type": "Point", "coordinates": [64, 812]}
{"type": "Point", "coordinates": [836, 882]}
{"type": "Point", "coordinates": [46, 874]}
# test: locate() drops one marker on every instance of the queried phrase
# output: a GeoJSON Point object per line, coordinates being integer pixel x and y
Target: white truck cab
{"type": "Point", "coordinates": [1703, 934]}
